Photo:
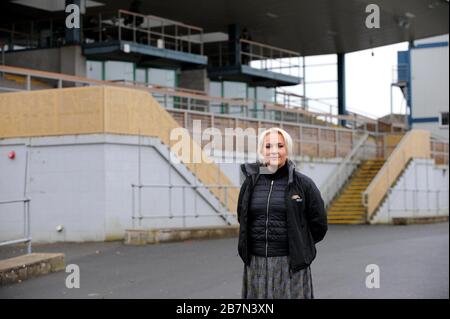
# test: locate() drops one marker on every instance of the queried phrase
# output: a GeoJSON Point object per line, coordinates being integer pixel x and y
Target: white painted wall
{"type": "Point", "coordinates": [12, 187]}
{"type": "Point", "coordinates": [84, 183]}
{"type": "Point", "coordinates": [318, 169]}
{"type": "Point", "coordinates": [429, 83]}
{"type": "Point", "coordinates": [66, 187]}
{"type": "Point", "coordinates": [426, 193]}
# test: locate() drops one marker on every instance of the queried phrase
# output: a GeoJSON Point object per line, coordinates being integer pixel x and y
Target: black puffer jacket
{"type": "Point", "coordinates": [305, 215]}
{"type": "Point", "coordinates": [267, 215]}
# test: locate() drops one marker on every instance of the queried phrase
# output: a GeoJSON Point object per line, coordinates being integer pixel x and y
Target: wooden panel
{"type": "Point", "coordinates": [51, 112]}
{"type": "Point", "coordinates": [390, 143]}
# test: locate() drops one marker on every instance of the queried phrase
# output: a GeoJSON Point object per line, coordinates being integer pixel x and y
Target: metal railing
{"type": "Point", "coordinates": [345, 169]}
{"type": "Point", "coordinates": [412, 194]}
{"type": "Point", "coordinates": [119, 25]}
{"type": "Point", "coordinates": [221, 208]}
{"type": "Point", "coordinates": [33, 34]}
{"type": "Point", "coordinates": [270, 58]}
{"type": "Point", "coordinates": [412, 206]}
{"type": "Point", "coordinates": [440, 150]}
{"type": "Point", "coordinates": [256, 55]}
{"type": "Point", "coordinates": [149, 30]}
{"type": "Point", "coordinates": [400, 73]}
{"type": "Point", "coordinates": [310, 127]}
{"type": "Point", "coordinates": [26, 224]}
{"type": "Point", "coordinates": [181, 99]}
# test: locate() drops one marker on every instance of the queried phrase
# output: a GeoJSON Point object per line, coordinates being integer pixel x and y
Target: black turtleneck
{"type": "Point", "coordinates": [281, 172]}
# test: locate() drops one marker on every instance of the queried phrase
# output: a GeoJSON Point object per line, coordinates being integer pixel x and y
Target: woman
{"type": "Point", "coordinates": [282, 217]}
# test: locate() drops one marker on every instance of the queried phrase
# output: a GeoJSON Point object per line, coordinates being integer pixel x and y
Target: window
{"type": "Point", "coordinates": [443, 119]}
{"type": "Point", "coordinates": [119, 71]}
{"type": "Point", "coordinates": [140, 75]}
{"type": "Point", "coordinates": [94, 70]}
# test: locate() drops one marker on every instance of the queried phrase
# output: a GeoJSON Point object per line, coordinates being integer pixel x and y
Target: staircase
{"type": "Point", "coordinates": [347, 207]}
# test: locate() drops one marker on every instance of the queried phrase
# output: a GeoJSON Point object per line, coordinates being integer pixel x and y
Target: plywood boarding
{"type": "Point", "coordinates": [51, 112]}
{"type": "Point", "coordinates": [390, 142]}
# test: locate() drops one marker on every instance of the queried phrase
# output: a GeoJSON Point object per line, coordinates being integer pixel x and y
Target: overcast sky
{"type": "Point", "coordinates": [368, 81]}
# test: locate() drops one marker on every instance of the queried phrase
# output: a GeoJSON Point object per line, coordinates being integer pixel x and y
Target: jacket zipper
{"type": "Point", "coordinates": [267, 217]}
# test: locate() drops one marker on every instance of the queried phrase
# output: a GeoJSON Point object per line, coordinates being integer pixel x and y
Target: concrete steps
{"type": "Point", "coordinates": [347, 208]}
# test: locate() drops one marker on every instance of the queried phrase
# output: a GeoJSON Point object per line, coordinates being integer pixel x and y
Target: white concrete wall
{"type": "Point", "coordinates": [122, 169]}
{"type": "Point", "coordinates": [318, 169]}
{"type": "Point", "coordinates": [65, 182]}
{"type": "Point", "coordinates": [426, 193]}
{"type": "Point", "coordinates": [12, 187]}
{"type": "Point", "coordinates": [84, 183]}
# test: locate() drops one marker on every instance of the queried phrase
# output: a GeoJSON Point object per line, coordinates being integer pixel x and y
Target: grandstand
{"type": "Point", "coordinates": [86, 117]}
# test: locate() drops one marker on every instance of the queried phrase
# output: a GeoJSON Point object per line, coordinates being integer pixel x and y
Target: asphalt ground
{"type": "Point", "coordinates": [413, 262]}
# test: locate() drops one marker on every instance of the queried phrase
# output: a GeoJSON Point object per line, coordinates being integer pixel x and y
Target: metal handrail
{"type": "Point", "coordinates": [174, 36]}
{"type": "Point", "coordinates": [27, 229]}
{"type": "Point", "coordinates": [222, 211]}
{"type": "Point", "coordinates": [411, 204]}
{"type": "Point", "coordinates": [345, 169]}
{"type": "Point", "coordinates": [270, 58]}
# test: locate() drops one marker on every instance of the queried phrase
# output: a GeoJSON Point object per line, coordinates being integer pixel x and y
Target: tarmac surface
{"type": "Point", "coordinates": [413, 262]}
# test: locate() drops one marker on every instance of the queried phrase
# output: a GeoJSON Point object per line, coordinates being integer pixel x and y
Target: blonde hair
{"type": "Point", "coordinates": [287, 140]}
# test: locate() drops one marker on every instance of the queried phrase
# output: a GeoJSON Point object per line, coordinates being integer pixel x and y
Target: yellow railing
{"type": "Point", "coordinates": [415, 144]}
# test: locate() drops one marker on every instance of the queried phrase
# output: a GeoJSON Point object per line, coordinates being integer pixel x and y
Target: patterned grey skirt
{"type": "Point", "coordinates": [271, 278]}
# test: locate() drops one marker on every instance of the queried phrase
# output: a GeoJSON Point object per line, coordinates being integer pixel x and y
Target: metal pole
{"type": "Point", "coordinates": [184, 206]}
{"type": "Point", "coordinates": [437, 202]}
{"type": "Point", "coordinates": [176, 37]}
{"type": "Point", "coordinates": [226, 199]}
{"type": "Point", "coordinates": [28, 226]}
{"type": "Point", "coordinates": [336, 143]}
{"type": "Point", "coordinates": [3, 54]}
{"type": "Point", "coordinates": [318, 142]}
{"type": "Point", "coordinates": [189, 40]}
{"type": "Point", "coordinates": [100, 27]}
{"type": "Point", "coordinates": [404, 182]}
{"type": "Point", "coordinates": [120, 26]}
{"type": "Point", "coordinates": [416, 190]}
{"type": "Point", "coordinates": [428, 188]}
{"type": "Point", "coordinates": [195, 189]}
{"type": "Point", "coordinates": [139, 179]}
{"type": "Point", "coordinates": [389, 203]}
{"type": "Point", "coordinates": [391, 101]}
{"type": "Point", "coordinates": [27, 203]}
{"type": "Point", "coordinates": [133, 223]}
{"type": "Point", "coordinates": [170, 178]}
{"type": "Point", "coordinates": [134, 28]}
{"type": "Point", "coordinates": [28, 83]}
{"type": "Point", "coordinates": [25, 220]}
